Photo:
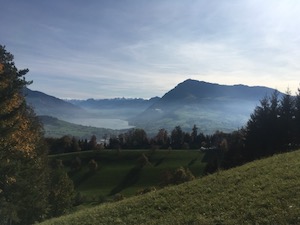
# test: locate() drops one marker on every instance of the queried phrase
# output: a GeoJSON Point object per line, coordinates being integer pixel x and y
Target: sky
{"type": "Point", "coordinates": [143, 48]}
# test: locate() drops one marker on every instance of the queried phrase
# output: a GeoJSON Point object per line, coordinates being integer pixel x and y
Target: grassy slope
{"type": "Point", "coordinates": [261, 192]}
{"type": "Point", "coordinates": [115, 167]}
{"type": "Point", "coordinates": [57, 128]}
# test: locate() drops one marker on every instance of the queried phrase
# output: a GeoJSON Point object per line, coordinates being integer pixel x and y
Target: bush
{"type": "Point", "coordinates": [145, 190]}
{"type": "Point", "coordinates": [76, 164]}
{"type": "Point", "coordinates": [182, 175]}
{"type": "Point", "coordinates": [93, 165]}
{"type": "Point", "coordinates": [118, 197]}
{"type": "Point", "coordinates": [179, 176]}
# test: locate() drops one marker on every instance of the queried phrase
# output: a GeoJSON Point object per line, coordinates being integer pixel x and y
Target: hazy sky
{"type": "Point", "coordinates": [143, 48]}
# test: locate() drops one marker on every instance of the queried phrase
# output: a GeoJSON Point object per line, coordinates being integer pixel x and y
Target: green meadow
{"type": "Point", "coordinates": [119, 172]}
{"type": "Point", "coordinates": [265, 191]}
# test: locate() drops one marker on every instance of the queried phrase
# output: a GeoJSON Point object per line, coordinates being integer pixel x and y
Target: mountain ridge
{"type": "Point", "coordinates": [202, 89]}
{"type": "Point", "coordinates": [210, 106]}
{"type": "Point", "coordinates": [44, 104]}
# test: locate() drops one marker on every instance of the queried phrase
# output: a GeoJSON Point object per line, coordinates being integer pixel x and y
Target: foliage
{"type": "Point", "coordinates": [62, 194]}
{"type": "Point", "coordinates": [273, 126]}
{"type": "Point", "coordinates": [93, 166]}
{"type": "Point", "coordinates": [66, 144]}
{"type": "Point", "coordinates": [178, 139]}
{"type": "Point", "coordinates": [180, 175]}
{"type": "Point", "coordinates": [134, 139]}
{"type": "Point", "coordinates": [23, 170]}
{"type": "Point", "coordinates": [145, 190]}
{"type": "Point", "coordinates": [30, 191]}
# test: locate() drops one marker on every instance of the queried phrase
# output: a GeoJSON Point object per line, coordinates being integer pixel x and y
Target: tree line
{"type": "Point", "coordinates": [135, 138]}
{"type": "Point", "coordinates": [273, 127]}
{"type": "Point", "coordinates": [67, 144]}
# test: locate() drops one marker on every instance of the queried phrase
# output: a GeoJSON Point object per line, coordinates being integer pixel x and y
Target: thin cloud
{"type": "Point", "coordinates": [144, 48]}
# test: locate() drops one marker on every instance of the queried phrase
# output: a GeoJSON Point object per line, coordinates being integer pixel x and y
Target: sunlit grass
{"type": "Point", "coordinates": [262, 192]}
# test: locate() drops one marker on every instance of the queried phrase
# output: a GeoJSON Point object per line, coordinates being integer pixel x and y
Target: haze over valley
{"type": "Point", "coordinates": [210, 107]}
{"type": "Point", "coordinates": [149, 112]}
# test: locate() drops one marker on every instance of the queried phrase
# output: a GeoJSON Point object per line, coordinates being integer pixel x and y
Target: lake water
{"type": "Point", "coordinates": [115, 124]}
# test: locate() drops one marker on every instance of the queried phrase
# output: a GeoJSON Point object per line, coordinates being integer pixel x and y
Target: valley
{"type": "Point", "coordinates": [210, 106]}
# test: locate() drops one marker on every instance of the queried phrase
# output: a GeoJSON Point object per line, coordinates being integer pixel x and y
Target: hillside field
{"type": "Point", "coordinates": [56, 128]}
{"type": "Point", "coordinates": [261, 192]}
{"type": "Point", "coordinates": [119, 171]}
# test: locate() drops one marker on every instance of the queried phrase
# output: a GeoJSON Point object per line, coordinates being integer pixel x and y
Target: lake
{"type": "Point", "coordinates": [115, 124]}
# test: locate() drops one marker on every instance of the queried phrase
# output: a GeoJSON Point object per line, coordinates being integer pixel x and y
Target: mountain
{"type": "Point", "coordinates": [122, 108]}
{"type": "Point", "coordinates": [44, 104]}
{"type": "Point", "coordinates": [57, 128]}
{"type": "Point", "coordinates": [193, 90]}
{"type": "Point", "coordinates": [209, 106]}
{"type": "Point", "coordinates": [102, 113]}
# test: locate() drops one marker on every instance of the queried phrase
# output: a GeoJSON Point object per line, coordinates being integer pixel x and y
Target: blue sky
{"type": "Point", "coordinates": [143, 48]}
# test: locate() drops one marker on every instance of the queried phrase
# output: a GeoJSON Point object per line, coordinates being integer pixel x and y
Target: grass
{"type": "Point", "coordinates": [118, 172]}
{"type": "Point", "coordinates": [262, 192]}
{"type": "Point", "coordinates": [57, 128]}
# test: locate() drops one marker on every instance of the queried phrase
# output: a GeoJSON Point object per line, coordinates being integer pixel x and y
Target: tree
{"type": "Point", "coordinates": [235, 148]}
{"type": "Point", "coordinates": [138, 139]}
{"type": "Point", "coordinates": [177, 137]}
{"type": "Point", "coordinates": [62, 194]}
{"type": "Point", "coordinates": [271, 128]}
{"type": "Point", "coordinates": [258, 130]}
{"type": "Point", "coordinates": [194, 134]}
{"type": "Point", "coordinates": [180, 175]}
{"type": "Point", "coordinates": [76, 164]}
{"type": "Point", "coordinates": [23, 159]}
{"type": "Point", "coordinates": [134, 139]}
{"type": "Point", "coordinates": [286, 119]}
{"type": "Point", "coordinates": [93, 143]}
{"type": "Point", "coordinates": [75, 145]}
{"type": "Point", "coordinates": [297, 119]}
{"type": "Point", "coordinates": [93, 166]}
{"type": "Point", "coordinates": [162, 138]}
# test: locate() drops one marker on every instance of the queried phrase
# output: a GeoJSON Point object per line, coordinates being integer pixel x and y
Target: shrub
{"type": "Point", "coordinates": [118, 197]}
{"type": "Point", "coordinates": [179, 176]}
{"type": "Point", "coordinates": [145, 190]}
{"type": "Point", "coordinates": [93, 165]}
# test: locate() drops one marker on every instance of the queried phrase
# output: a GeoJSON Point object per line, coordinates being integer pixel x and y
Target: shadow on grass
{"type": "Point", "coordinates": [131, 178]}
{"type": "Point", "coordinates": [192, 161]}
{"type": "Point", "coordinates": [159, 161]}
{"type": "Point", "coordinates": [81, 179]}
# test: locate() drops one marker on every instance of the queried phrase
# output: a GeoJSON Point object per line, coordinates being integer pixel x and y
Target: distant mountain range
{"type": "Point", "coordinates": [209, 106]}
{"type": "Point", "coordinates": [121, 108]}
{"type": "Point", "coordinates": [44, 104]}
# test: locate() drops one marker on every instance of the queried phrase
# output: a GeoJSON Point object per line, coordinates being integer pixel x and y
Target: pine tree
{"type": "Point", "coordinates": [23, 170]}
{"type": "Point", "coordinates": [297, 119]}
{"type": "Point", "coordinates": [257, 129]}
{"type": "Point", "coordinates": [287, 112]}
{"type": "Point", "coordinates": [62, 194]}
